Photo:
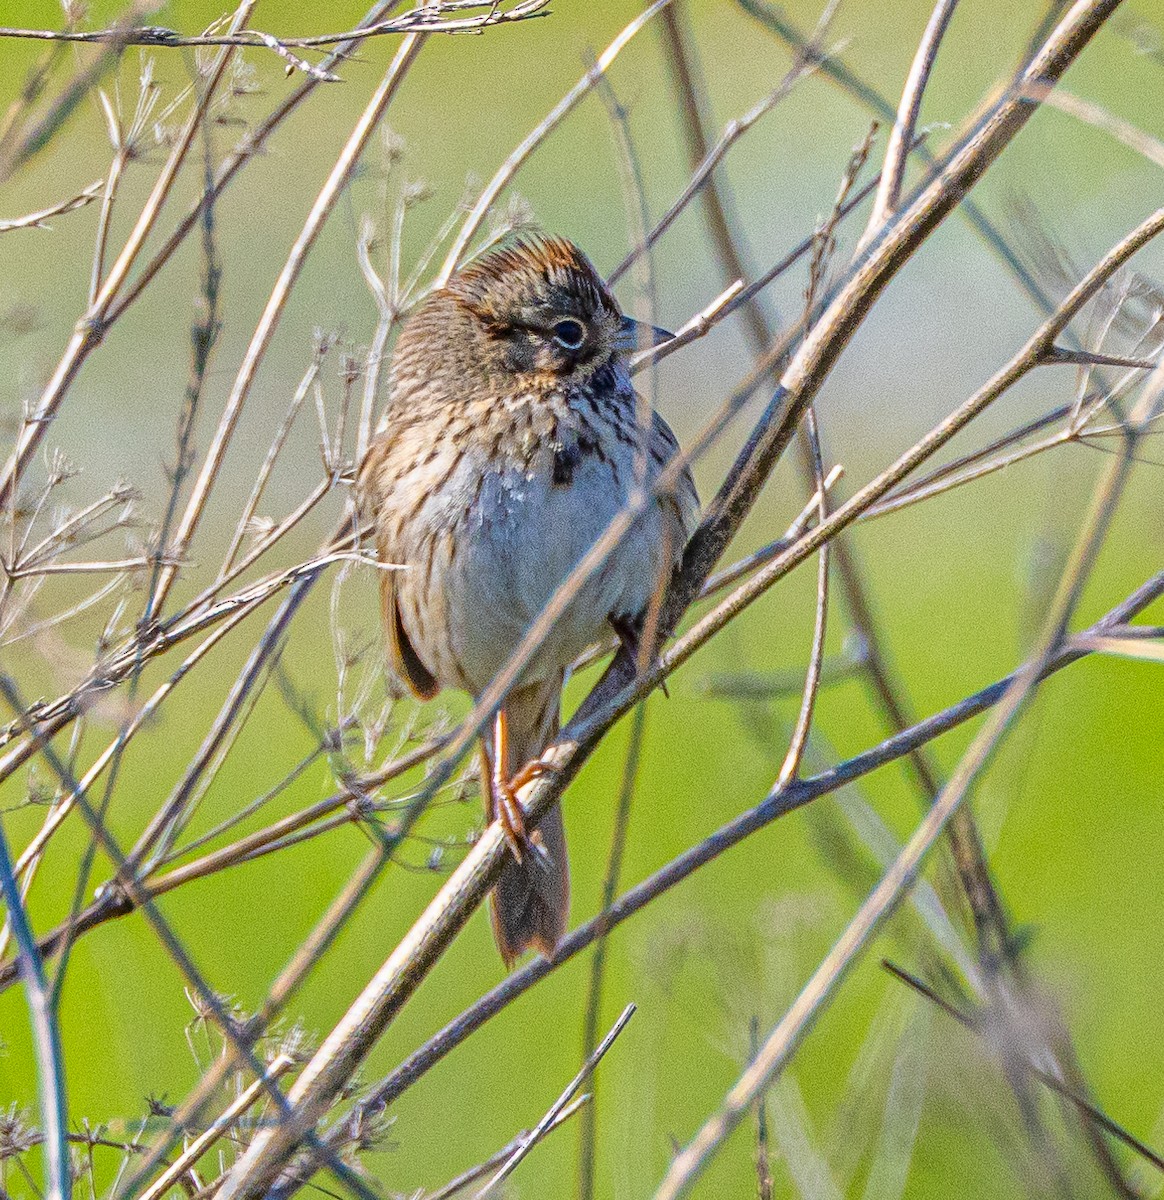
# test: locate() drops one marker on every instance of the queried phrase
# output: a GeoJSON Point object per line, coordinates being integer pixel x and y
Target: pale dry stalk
{"type": "Point", "coordinates": [354, 1036]}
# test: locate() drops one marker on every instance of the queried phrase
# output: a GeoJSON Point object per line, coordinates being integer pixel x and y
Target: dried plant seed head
{"type": "Point", "coordinates": [517, 217]}
{"type": "Point", "coordinates": [393, 146]}
{"type": "Point", "coordinates": [416, 192]}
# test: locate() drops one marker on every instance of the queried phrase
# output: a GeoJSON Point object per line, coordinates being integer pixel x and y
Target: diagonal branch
{"type": "Point", "coordinates": [351, 1040]}
{"type": "Point", "coordinates": [36, 220]}
{"type": "Point", "coordinates": [901, 136]}
{"type": "Point", "coordinates": [800, 1018]}
{"type": "Point", "coordinates": [779, 803]}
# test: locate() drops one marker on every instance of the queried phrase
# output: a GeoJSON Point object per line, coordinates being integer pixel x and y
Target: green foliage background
{"type": "Point", "coordinates": [1072, 809]}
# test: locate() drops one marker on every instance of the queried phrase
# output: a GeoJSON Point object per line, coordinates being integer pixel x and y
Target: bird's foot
{"type": "Point", "coordinates": [509, 808]}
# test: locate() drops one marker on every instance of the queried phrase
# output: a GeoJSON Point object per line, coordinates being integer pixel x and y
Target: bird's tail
{"type": "Point", "coordinates": [531, 899]}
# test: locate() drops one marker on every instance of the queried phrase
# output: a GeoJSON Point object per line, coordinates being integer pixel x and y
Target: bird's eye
{"type": "Point", "coordinates": [569, 334]}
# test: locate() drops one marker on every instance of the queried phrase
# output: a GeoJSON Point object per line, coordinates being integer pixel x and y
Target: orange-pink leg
{"type": "Point", "coordinates": [509, 810]}
{"type": "Point", "coordinates": [505, 788]}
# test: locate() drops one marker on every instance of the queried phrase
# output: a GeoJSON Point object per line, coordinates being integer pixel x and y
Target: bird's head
{"type": "Point", "coordinates": [536, 309]}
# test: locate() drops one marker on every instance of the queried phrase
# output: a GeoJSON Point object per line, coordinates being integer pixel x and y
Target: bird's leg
{"type": "Point", "coordinates": [509, 810]}
{"type": "Point", "coordinates": [505, 788]}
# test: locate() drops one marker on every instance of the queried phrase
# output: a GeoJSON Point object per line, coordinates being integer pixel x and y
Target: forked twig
{"type": "Point", "coordinates": [353, 1037]}
{"type": "Point", "coordinates": [552, 1115]}
{"type": "Point", "coordinates": [36, 220]}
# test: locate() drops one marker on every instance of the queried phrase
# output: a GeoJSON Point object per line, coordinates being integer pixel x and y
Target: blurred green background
{"type": "Point", "coordinates": [1071, 809]}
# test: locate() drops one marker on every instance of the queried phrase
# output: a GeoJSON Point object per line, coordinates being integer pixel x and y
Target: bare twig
{"type": "Point", "coordinates": [264, 475]}
{"type": "Point", "coordinates": [199, 1145]}
{"type": "Point", "coordinates": [901, 136]}
{"type": "Point", "coordinates": [547, 1122]}
{"type": "Point", "coordinates": [471, 1176]}
{"type": "Point", "coordinates": [37, 220]}
{"type": "Point", "coordinates": [426, 18]}
{"type": "Point", "coordinates": [261, 338]}
{"type": "Point", "coordinates": [553, 118]}
{"type": "Point", "coordinates": [92, 326]}
{"type": "Point", "coordinates": [587, 1139]}
{"type": "Point", "coordinates": [812, 682]}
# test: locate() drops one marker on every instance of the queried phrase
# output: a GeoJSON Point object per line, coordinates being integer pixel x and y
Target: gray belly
{"type": "Point", "coordinates": [518, 539]}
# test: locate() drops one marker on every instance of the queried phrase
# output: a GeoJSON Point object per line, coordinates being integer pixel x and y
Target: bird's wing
{"type": "Point", "coordinates": [402, 657]}
{"type": "Point", "coordinates": [403, 660]}
{"type": "Point", "coordinates": [683, 500]}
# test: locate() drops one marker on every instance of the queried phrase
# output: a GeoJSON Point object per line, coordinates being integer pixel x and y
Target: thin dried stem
{"type": "Point", "coordinates": [426, 18]}
{"type": "Point", "coordinates": [260, 340]}
{"type": "Point", "coordinates": [902, 135]}
{"type": "Point", "coordinates": [93, 325]}
{"type": "Point", "coordinates": [553, 118]}
{"type": "Point", "coordinates": [558, 1107]}
{"type": "Point", "coordinates": [587, 1138]}
{"type": "Point", "coordinates": [199, 1145]}
{"type": "Point", "coordinates": [791, 765]}
{"type": "Point", "coordinates": [264, 475]}
{"type": "Point", "coordinates": [37, 220]}
{"type": "Point", "coordinates": [465, 1180]}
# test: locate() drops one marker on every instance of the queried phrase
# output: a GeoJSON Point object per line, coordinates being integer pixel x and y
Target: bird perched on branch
{"type": "Point", "coordinates": [513, 437]}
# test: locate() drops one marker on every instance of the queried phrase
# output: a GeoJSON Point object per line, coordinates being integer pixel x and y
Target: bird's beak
{"type": "Point", "coordinates": [635, 335]}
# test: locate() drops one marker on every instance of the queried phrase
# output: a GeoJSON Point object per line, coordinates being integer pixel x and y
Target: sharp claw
{"type": "Point", "coordinates": [512, 815]}
{"type": "Point", "coordinates": [512, 819]}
